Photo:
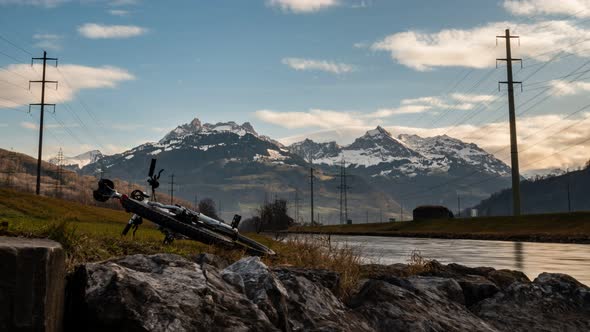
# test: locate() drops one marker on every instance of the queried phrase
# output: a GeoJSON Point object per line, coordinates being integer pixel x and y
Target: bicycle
{"type": "Point", "coordinates": [176, 221]}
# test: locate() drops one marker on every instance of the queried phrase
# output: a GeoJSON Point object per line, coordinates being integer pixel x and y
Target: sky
{"type": "Point", "coordinates": [131, 70]}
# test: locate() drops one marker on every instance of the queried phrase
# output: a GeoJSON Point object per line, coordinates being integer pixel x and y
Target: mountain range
{"type": "Point", "coordinates": [239, 168]}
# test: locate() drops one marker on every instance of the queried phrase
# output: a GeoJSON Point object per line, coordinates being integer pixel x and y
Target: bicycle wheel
{"type": "Point", "coordinates": [254, 247]}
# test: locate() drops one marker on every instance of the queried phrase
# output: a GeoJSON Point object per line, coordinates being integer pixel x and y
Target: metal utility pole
{"type": "Point", "coordinates": [458, 205]}
{"type": "Point", "coordinates": [311, 177]}
{"type": "Point", "coordinates": [171, 189]}
{"type": "Point", "coordinates": [43, 81]}
{"type": "Point", "coordinates": [367, 217]}
{"type": "Point", "coordinates": [569, 200]}
{"type": "Point", "coordinates": [196, 206]}
{"type": "Point", "coordinates": [401, 207]}
{"type": "Point", "coordinates": [512, 115]}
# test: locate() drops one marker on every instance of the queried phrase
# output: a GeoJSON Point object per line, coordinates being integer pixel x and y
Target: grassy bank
{"type": "Point", "coordinates": [563, 227]}
{"type": "Point", "coordinates": [90, 234]}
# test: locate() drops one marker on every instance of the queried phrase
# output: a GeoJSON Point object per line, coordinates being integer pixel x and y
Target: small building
{"type": "Point", "coordinates": [429, 212]}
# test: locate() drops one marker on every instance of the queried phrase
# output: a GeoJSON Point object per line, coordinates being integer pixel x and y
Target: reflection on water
{"type": "Point", "coordinates": [531, 258]}
{"type": "Point", "coordinates": [518, 257]}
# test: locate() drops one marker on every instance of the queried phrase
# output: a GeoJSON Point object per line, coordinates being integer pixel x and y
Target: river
{"type": "Point", "coordinates": [529, 257]}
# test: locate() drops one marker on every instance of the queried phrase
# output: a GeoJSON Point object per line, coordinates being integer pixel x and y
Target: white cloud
{"type": "Point", "coordinates": [321, 65]}
{"type": "Point", "coordinates": [313, 118]}
{"type": "Point", "coordinates": [302, 6]}
{"type": "Point", "coordinates": [405, 109]}
{"type": "Point", "coordinates": [118, 12]}
{"type": "Point", "coordinates": [537, 143]}
{"type": "Point", "coordinates": [475, 47]}
{"type": "Point", "coordinates": [99, 31]}
{"type": "Point", "coordinates": [563, 88]}
{"type": "Point", "coordinates": [39, 3]}
{"type": "Point", "coordinates": [117, 3]}
{"type": "Point", "coordinates": [48, 41]}
{"type": "Point", "coordinates": [578, 8]}
{"type": "Point", "coordinates": [78, 78]}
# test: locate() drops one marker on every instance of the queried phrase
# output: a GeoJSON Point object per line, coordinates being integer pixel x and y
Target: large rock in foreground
{"type": "Point", "coordinates": [166, 292]}
{"type": "Point", "coordinates": [32, 273]}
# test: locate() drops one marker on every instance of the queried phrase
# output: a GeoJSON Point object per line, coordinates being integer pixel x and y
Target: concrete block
{"type": "Point", "coordinates": [32, 277]}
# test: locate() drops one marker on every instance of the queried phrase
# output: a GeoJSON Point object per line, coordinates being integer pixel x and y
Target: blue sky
{"type": "Point", "coordinates": [327, 69]}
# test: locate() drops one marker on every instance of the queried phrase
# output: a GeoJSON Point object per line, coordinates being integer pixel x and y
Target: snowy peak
{"type": "Point", "coordinates": [309, 148]}
{"type": "Point", "coordinates": [380, 141]}
{"type": "Point", "coordinates": [80, 160]}
{"type": "Point", "coordinates": [450, 150]}
{"type": "Point", "coordinates": [196, 127]}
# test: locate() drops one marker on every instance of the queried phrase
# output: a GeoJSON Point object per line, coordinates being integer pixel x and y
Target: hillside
{"type": "Point", "coordinates": [543, 195]}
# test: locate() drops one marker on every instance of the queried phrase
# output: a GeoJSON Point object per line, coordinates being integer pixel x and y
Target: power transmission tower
{"type": "Point", "coordinates": [59, 171]}
{"type": "Point", "coordinates": [297, 200]}
{"type": "Point", "coordinates": [43, 81]}
{"type": "Point", "coordinates": [512, 115]}
{"type": "Point", "coordinates": [343, 194]}
{"type": "Point", "coordinates": [311, 177]}
{"type": "Point", "coordinates": [11, 167]}
{"type": "Point", "coordinates": [171, 189]}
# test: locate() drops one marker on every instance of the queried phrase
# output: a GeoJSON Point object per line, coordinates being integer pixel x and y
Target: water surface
{"type": "Point", "coordinates": [528, 257]}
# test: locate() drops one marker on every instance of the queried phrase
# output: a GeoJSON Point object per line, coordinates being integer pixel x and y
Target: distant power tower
{"type": "Point", "coordinates": [343, 194]}
{"type": "Point", "coordinates": [512, 115]}
{"type": "Point", "coordinates": [297, 201]}
{"type": "Point", "coordinates": [11, 167]}
{"type": "Point", "coordinates": [43, 81]}
{"type": "Point", "coordinates": [171, 189]}
{"type": "Point", "coordinates": [59, 173]}
{"type": "Point", "coordinates": [311, 178]}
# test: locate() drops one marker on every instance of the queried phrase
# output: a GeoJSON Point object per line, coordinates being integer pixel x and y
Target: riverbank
{"type": "Point", "coordinates": [553, 228]}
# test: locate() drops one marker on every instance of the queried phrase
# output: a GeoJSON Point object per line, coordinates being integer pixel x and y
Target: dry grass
{"type": "Point", "coordinates": [418, 264]}
{"type": "Point", "coordinates": [318, 252]}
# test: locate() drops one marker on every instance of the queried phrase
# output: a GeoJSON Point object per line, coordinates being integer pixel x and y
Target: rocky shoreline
{"type": "Point", "coordinates": [166, 292]}
{"type": "Point", "coordinates": [543, 238]}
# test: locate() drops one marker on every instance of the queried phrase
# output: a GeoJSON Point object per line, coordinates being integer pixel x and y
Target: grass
{"type": "Point", "coordinates": [559, 227]}
{"type": "Point", "coordinates": [90, 234]}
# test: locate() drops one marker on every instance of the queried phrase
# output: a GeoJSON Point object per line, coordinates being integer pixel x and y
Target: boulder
{"type": "Point", "coordinates": [312, 305]}
{"type": "Point", "coordinates": [263, 288]}
{"type": "Point", "coordinates": [161, 292]}
{"type": "Point", "coordinates": [31, 284]}
{"type": "Point", "coordinates": [552, 302]}
{"type": "Point", "coordinates": [389, 307]}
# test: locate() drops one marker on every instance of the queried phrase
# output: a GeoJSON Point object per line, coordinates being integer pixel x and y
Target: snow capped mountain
{"type": "Point", "coordinates": [195, 127]}
{"type": "Point", "coordinates": [80, 160]}
{"type": "Point", "coordinates": [406, 155]}
{"type": "Point", "coordinates": [225, 141]}
{"type": "Point", "coordinates": [445, 149]}
{"type": "Point", "coordinates": [309, 148]}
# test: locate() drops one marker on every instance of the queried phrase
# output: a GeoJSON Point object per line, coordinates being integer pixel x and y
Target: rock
{"type": "Point", "coordinates": [388, 307]}
{"type": "Point", "coordinates": [311, 302]}
{"type": "Point", "coordinates": [327, 279]}
{"type": "Point", "coordinates": [263, 288]}
{"type": "Point", "coordinates": [31, 284]}
{"type": "Point", "coordinates": [552, 302]}
{"type": "Point", "coordinates": [161, 292]}
{"type": "Point", "coordinates": [441, 288]}
{"type": "Point", "coordinates": [504, 278]}
{"type": "Point", "coordinates": [476, 288]}
{"type": "Point", "coordinates": [214, 260]}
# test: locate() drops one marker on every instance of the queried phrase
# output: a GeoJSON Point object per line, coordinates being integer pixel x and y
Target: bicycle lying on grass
{"type": "Point", "coordinates": [176, 221]}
